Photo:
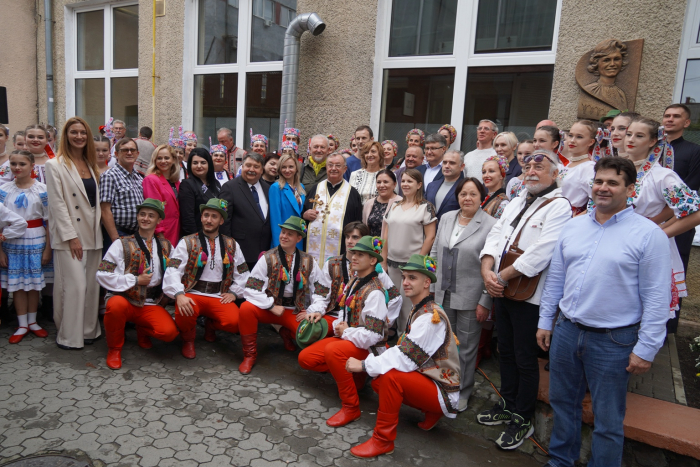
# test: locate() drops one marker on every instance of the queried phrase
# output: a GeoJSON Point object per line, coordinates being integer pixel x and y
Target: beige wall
{"type": "Point", "coordinates": [336, 69]}
{"type": "Point", "coordinates": [660, 24]}
{"type": "Point", "coordinates": [18, 72]}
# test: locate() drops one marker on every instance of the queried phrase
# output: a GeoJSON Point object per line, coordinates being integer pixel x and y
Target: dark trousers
{"type": "Point", "coordinates": [517, 347]}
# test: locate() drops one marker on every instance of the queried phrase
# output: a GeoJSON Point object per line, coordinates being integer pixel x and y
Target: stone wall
{"type": "Point", "coordinates": [584, 24]}
{"type": "Point", "coordinates": [336, 69]}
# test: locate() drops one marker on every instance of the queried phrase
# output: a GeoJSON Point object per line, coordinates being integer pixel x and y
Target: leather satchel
{"type": "Point", "coordinates": [522, 287]}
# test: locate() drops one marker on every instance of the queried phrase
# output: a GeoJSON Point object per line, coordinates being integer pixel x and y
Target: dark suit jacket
{"type": "Point", "coordinates": [449, 203]}
{"type": "Point", "coordinates": [245, 223]}
{"type": "Point", "coordinates": [190, 197]}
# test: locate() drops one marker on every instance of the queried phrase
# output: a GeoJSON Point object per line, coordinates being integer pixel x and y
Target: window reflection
{"type": "Point", "coordinates": [217, 32]}
{"type": "Point", "coordinates": [515, 25]}
{"type": "Point", "coordinates": [262, 106]}
{"type": "Point", "coordinates": [269, 25]}
{"type": "Point", "coordinates": [126, 37]}
{"type": "Point", "coordinates": [90, 101]}
{"type": "Point", "coordinates": [125, 103]}
{"type": "Point", "coordinates": [215, 101]}
{"type": "Point", "coordinates": [422, 27]}
{"type": "Point", "coordinates": [90, 40]}
{"type": "Point", "coordinates": [691, 97]}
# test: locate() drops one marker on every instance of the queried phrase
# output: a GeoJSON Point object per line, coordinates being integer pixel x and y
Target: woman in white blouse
{"type": "Point", "coordinates": [365, 179]}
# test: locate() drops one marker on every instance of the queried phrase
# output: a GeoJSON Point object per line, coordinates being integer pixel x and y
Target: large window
{"type": "Point", "coordinates": [102, 65]}
{"type": "Point", "coordinates": [687, 90]}
{"type": "Point", "coordinates": [459, 61]}
{"type": "Point", "coordinates": [233, 67]}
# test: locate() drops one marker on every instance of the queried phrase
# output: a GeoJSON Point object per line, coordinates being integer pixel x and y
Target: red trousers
{"type": "Point", "coordinates": [413, 389]}
{"type": "Point", "coordinates": [224, 316]}
{"type": "Point", "coordinates": [150, 318]}
{"type": "Point", "coordinates": [330, 354]}
{"type": "Point", "coordinates": [251, 316]}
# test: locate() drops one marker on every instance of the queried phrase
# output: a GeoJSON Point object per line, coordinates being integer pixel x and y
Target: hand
{"type": "Point", "coordinates": [3, 259]}
{"type": "Point", "coordinates": [301, 316]}
{"type": "Point", "coordinates": [185, 305]}
{"type": "Point", "coordinates": [637, 365]}
{"type": "Point", "coordinates": [144, 278]}
{"type": "Point", "coordinates": [46, 256]}
{"type": "Point", "coordinates": [340, 328]}
{"type": "Point", "coordinates": [228, 298]}
{"type": "Point", "coordinates": [482, 313]}
{"type": "Point", "coordinates": [313, 317]}
{"type": "Point", "coordinates": [277, 310]}
{"type": "Point", "coordinates": [544, 338]}
{"type": "Point", "coordinates": [310, 215]}
{"type": "Point", "coordinates": [353, 365]}
{"type": "Point", "coordinates": [76, 248]}
{"type": "Point", "coordinates": [492, 286]}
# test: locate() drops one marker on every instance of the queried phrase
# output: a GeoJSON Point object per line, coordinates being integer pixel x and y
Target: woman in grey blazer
{"type": "Point", "coordinates": [459, 288]}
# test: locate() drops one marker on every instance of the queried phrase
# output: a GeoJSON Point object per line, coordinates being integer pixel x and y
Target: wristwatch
{"type": "Point", "coordinates": [500, 280]}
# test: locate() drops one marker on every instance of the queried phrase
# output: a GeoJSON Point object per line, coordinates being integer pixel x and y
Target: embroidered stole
{"type": "Point", "coordinates": [325, 234]}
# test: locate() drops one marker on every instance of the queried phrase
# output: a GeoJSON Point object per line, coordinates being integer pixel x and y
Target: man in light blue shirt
{"type": "Point", "coordinates": [610, 278]}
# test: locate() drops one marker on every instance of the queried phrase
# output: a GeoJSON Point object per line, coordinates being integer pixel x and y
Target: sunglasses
{"type": "Point", "coordinates": [536, 158]}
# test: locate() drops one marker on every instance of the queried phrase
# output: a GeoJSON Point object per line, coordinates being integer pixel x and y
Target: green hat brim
{"type": "Point", "coordinates": [611, 114]}
{"type": "Point", "coordinates": [160, 212]}
{"type": "Point", "coordinates": [364, 249]}
{"type": "Point", "coordinates": [419, 268]}
{"type": "Point", "coordinates": [292, 227]}
{"type": "Point", "coordinates": [306, 332]}
{"type": "Point", "coordinates": [223, 212]}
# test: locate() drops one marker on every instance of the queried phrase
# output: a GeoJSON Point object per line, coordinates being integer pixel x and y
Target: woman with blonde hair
{"type": "Point", "coordinates": [365, 179]}
{"type": "Point", "coordinates": [286, 196]}
{"type": "Point", "coordinates": [505, 144]}
{"type": "Point", "coordinates": [162, 182]}
{"type": "Point", "coordinates": [76, 236]}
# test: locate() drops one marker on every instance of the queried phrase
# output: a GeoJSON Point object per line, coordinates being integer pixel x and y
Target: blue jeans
{"type": "Point", "coordinates": [577, 357]}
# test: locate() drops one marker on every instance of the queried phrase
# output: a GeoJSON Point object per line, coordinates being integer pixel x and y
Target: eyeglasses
{"type": "Point", "coordinates": [536, 158]}
{"type": "Point", "coordinates": [433, 149]}
{"type": "Point", "coordinates": [128, 150]}
{"type": "Point", "coordinates": [484, 128]}
{"type": "Point", "coordinates": [335, 166]}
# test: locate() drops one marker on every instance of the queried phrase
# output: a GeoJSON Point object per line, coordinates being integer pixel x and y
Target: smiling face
{"type": "Point", "coordinates": [524, 149]}
{"type": "Point", "coordinates": [414, 283]}
{"type": "Point", "coordinates": [675, 120]}
{"type": "Point", "coordinates": [409, 186]}
{"type": "Point", "coordinates": [385, 186]}
{"type": "Point", "coordinates": [491, 175]}
{"type": "Point", "coordinates": [288, 169]}
{"type": "Point", "coordinates": [362, 263]}
{"type": "Point", "coordinates": [164, 161]}
{"type": "Point", "coordinates": [77, 136]}
{"type": "Point", "coordinates": [331, 146]}
{"type": "Point", "coordinates": [485, 133]}
{"type": "Point", "coordinates": [335, 168]}
{"type": "Point", "coordinates": [388, 154]}
{"type": "Point", "coordinates": [469, 199]}
{"type": "Point", "coordinates": [361, 138]}
{"type": "Point", "coordinates": [36, 141]}
{"type": "Point", "coordinates": [127, 154]}
{"type": "Point", "coordinates": [148, 219]}
{"type": "Point", "coordinates": [543, 140]}
{"type": "Point", "coordinates": [259, 147]}
{"type": "Point", "coordinates": [271, 168]}
{"type": "Point", "coordinates": [219, 160]}
{"type": "Point", "coordinates": [102, 152]}
{"type": "Point", "coordinates": [21, 167]}
{"type": "Point", "coordinates": [200, 167]}
{"type": "Point", "coordinates": [539, 175]}
{"type": "Point", "coordinates": [579, 140]}
{"type": "Point", "coordinates": [319, 149]}
{"type": "Point", "coordinates": [372, 158]}
{"type": "Point", "coordinates": [252, 171]}
{"type": "Point", "coordinates": [638, 141]}
{"type": "Point", "coordinates": [414, 140]}
{"type": "Point", "coordinates": [289, 238]}
{"type": "Point", "coordinates": [618, 130]}
{"type": "Point", "coordinates": [502, 148]}
{"type": "Point", "coordinates": [189, 146]}
{"type": "Point", "coordinates": [609, 192]}
{"type": "Point", "coordinates": [414, 157]}
{"type": "Point", "coordinates": [610, 65]}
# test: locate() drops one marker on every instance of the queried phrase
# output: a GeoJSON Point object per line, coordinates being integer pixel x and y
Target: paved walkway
{"type": "Point", "coordinates": [163, 410]}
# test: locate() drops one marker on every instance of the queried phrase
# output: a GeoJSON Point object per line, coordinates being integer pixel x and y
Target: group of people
{"type": "Point", "coordinates": [396, 267]}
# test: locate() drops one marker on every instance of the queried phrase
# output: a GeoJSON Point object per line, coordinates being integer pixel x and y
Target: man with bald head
{"type": "Point", "coordinates": [330, 206]}
{"type": "Point", "coordinates": [314, 170]}
{"type": "Point", "coordinates": [412, 160]}
{"type": "Point", "coordinates": [546, 123]}
{"type": "Point", "coordinates": [234, 154]}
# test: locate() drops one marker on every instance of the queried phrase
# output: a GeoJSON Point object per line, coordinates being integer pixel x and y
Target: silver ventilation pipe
{"type": "Point", "coordinates": [290, 69]}
{"type": "Point", "coordinates": [48, 40]}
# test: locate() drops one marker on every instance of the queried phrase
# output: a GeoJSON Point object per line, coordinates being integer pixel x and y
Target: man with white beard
{"type": "Point", "coordinates": [314, 170]}
{"type": "Point", "coordinates": [530, 224]}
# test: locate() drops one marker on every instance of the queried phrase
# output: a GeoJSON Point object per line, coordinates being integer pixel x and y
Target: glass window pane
{"type": "Point", "coordinates": [422, 27]}
{"type": "Point", "coordinates": [91, 41]}
{"type": "Point", "coordinates": [217, 32]}
{"type": "Point", "coordinates": [508, 25]}
{"type": "Point", "coordinates": [215, 104]}
{"type": "Point", "coordinates": [125, 103]}
{"type": "Point", "coordinates": [416, 98]}
{"type": "Point", "coordinates": [262, 106]}
{"type": "Point", "coordinates": [270, 21]}
{"type": "Point", "coordinates": [126, 37]}
{"type": "Point", "coordinates": [691, 97]}
{"type": "Point", "coordinates": [90, 102]}
{"type": "Point", "coordinates": [516, 98]}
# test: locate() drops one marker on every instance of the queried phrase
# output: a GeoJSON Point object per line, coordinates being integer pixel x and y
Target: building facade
{"type": "Point", "coordinates": [395, 64]}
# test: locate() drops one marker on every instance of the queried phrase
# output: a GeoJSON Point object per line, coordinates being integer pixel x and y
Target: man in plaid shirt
{"type": "Point", "coordinates": [120, 192]}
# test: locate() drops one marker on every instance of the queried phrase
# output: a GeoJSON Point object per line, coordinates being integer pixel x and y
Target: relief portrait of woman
{"type": "Point", "coordinates": [606, 61]}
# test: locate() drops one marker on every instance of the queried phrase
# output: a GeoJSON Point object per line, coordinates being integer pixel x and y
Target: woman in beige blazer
{"type": "Point", "coordinates": [459, 287]}
{"type": "Point", "coordinates": [76, 237]}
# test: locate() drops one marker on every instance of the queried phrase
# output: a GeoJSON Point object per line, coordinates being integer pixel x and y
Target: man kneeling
{"type": "Point", "coordinates": [132, 271]}
{"type": "Point", "coordinates": [422, 370]}
{"type": "Point", "coordinates": [205, 275]}
{"type": "Point", "coordinates": [285, 287]}
{"type": "Point", "coordinates": [361, 327]}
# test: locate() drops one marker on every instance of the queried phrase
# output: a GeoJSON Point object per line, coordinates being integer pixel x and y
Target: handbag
{"type": "Point", "coordinates": [522, 287]}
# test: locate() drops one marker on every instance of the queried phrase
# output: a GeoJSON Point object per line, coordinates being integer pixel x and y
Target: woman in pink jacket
{"type": "Point", "coordinates": [162, 182]}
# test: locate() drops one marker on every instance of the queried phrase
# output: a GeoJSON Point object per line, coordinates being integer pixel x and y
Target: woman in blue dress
{"type": "Point", "coordinates": [287, 196]}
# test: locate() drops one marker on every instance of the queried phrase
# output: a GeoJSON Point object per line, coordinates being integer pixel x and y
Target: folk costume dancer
{"type": "Point", "coordinates": [338, 272]}
{"type": "Point", "coordinates": [422, 370]}
{"type": "Point", "coordinates": [285, 287]}
{"type": "Point", "coordinates": [132, 272]}
{"type": "Point", "coordinates": [361, 328]}
{"type": "Point", "coordinates": [206, 280]}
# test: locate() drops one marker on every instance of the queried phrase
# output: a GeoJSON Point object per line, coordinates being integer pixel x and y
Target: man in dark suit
{"type": "Point", "coordinates": [441, 193]}
{"type": "Point", "coordinates": [435, 147]}
{"type": "Point", "coordinates": [687, 165]}
{"type": "Point", "coordinates": [248, 219]}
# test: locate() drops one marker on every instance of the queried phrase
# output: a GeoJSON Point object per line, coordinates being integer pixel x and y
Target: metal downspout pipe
{"type": "Point", "coordinates": [290, 66]}
{"type": "Point", "coordinates": [48, 41]}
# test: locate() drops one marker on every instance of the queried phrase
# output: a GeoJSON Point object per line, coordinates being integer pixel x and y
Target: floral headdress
{"type": "Point", "coordinates": [452, 130]}
{"type": "Point", "coordinates": [256, 138]}
{"type": "Point", "coordinates": [108, 128]}
{"type": "Point", "coordinates": [189, 136]}
{"type": "Point", "coordinates": [393, 145]}
{"type": "Point", "coordinates": [418, 132]}
{"type": "Point", "coordinates": [501, 161]}
{"type": "Point", "coordinates": [289, 145]}
{"type": "Point", "coordinates": [335, 140]}
{"type": "Point", "coordinates": [176, 142]}
{"type": "Point", "coordinates": [288, 132]}
{"type": "Point", "coordinates": [217, 147]}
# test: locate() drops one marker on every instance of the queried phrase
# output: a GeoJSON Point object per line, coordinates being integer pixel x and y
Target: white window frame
{"type": "Point", "coordinates": [461, 59]}
{"type": "Point", "coordinates": [71, 47]}
{"type": "Point", "coordinates": [690, 46]}
{"type": "Point", "coordinates": [241, 68]}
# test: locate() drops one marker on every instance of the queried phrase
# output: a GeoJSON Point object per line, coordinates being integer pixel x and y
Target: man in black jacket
{"type": "Point", "coordinates": [248, 209]}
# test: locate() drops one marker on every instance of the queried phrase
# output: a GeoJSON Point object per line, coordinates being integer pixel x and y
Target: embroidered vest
{"type": "Point", "coordinates": [443, 366]}
{"type": "Point", "coordinates": [274, 266]}
{"type": "Point", "coordinates": [354, 317]}
{"type": "Point", "coordinates": [194, 248]}
{"type": "Point", "coordinates": [133, 259]}
{"type": "Point", "coordinates": [335, 270]}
